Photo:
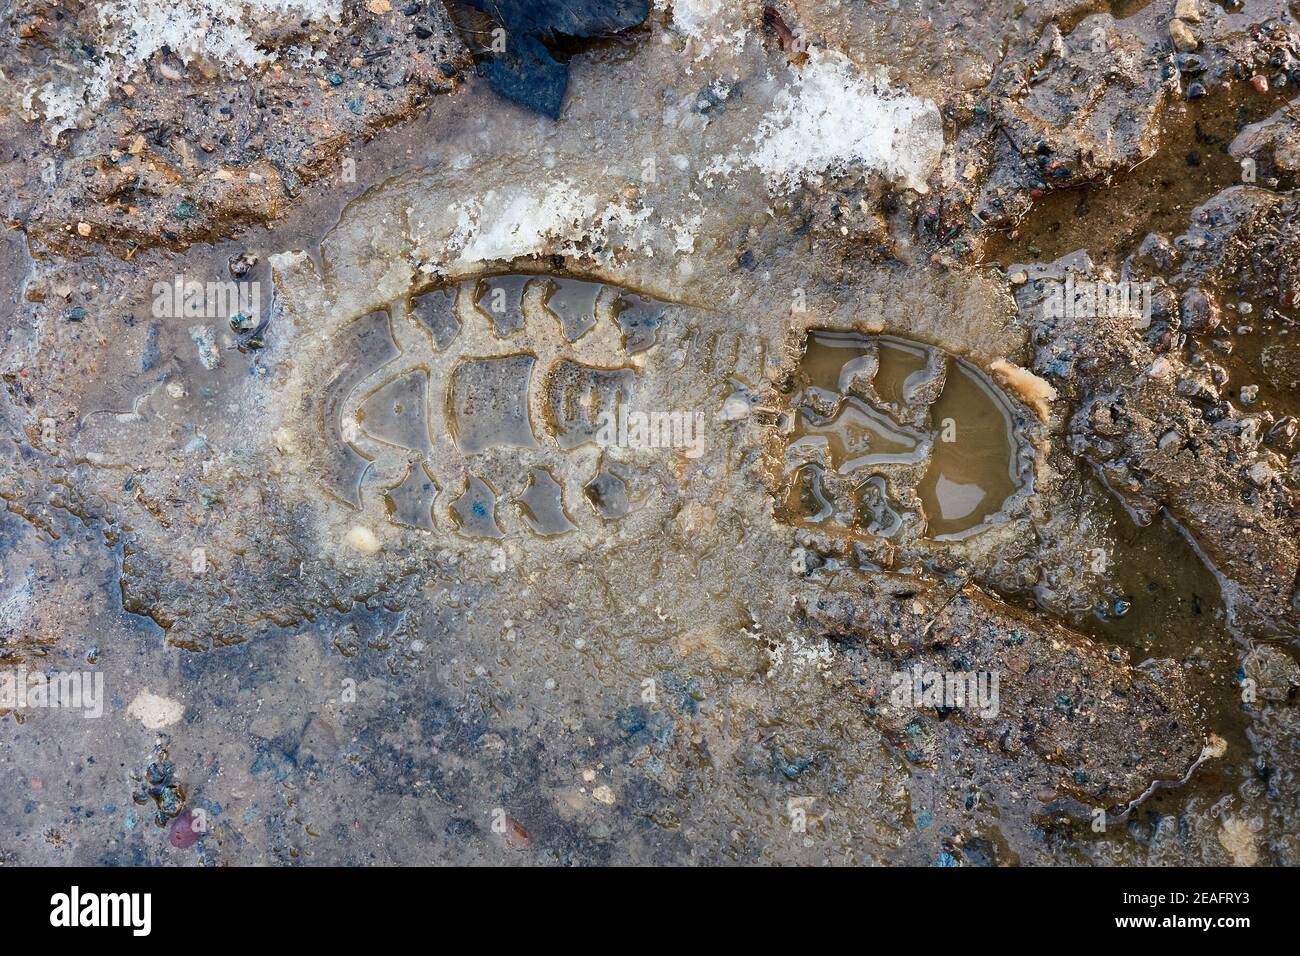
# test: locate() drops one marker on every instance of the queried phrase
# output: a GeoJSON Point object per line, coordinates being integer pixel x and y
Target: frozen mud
{"type": "Point", "coordinates": [750, 464]}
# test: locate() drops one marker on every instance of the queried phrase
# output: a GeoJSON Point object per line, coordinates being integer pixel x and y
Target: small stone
{"type": "Point", "coordinates": [1169, 439]}
{"type": "Point", "coordinates": [603, 794]}
{"type": "Point", "coordinates": [240, 323]}
{"type": "Point", "coordinates": [735, 408]}
{"type": "Point", "coordinates": [378, 7]}
{"type": "Point", "coordinates": [1200, 314]}
{"type": "Point", "coordinates": [1238, 839]}
{"type": "Point", "coordinates": [83, 228]}
{"type": "Point", "coordinates": [1196, 91]}
{"type": "Point", "coordinates": [1260, 474]}
{"type": "Point", "coordinates": [1019, 277]}
{"type": "Point", "coordinates": [1260, 82]}
{"type": "Point", "coordinates": [1249, 394]}
{"type": "Point", "coordinates": [1282, 434]}
{"type": "Point", "coordinates": [183, 832]}
{"type": "Point", "coordinates": [242, 264]}
{"type": "Point", "coordinates": [1189, 10]}
{"type": "Point", "coordinates": [1184, 39]}
{"type": "Point", "coordinates": [360, 538]}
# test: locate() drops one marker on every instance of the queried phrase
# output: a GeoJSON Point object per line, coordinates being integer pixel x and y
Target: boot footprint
{"type": "Point", "coordinates": [881, 437]}
{"type": "Point", "coordinates": [484, 407]}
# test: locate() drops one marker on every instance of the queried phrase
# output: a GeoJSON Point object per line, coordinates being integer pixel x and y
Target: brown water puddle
{"type": "Point", "coordinates": [1162, 601]}
{"type": "Point", "coordinates": [868, 402]}
{"type": "Point", "coordinates": [860, 437]}
{"type": "Point", "coordinates": [1110, 218]}
{"type": "Point", "coordinates": [972, 476]}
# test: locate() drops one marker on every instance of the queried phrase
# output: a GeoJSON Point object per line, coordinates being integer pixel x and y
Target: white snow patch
{"type": "Point", "coordinates": [833, 119]}
{"type": "Point", "coordinates": [222, 32]}
{"type": "Point", "coordinates": [518, 221]}
{"type": "Point", "coordinates": [542, 219]}
{"type": "Point", "coordinates": [684, 233]}
{"type": "Point", "coordinates": [710, 25]}
{"type": "Point", "coordinates": [797, 652]}
{"type": "Point", "coordinates": [693, 17]}
{"type": "Point", "coordinates": [217, 30]}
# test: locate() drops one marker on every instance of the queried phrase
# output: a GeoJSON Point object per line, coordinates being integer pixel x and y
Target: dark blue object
{"type": "Point", "coordinates": [526, 72]}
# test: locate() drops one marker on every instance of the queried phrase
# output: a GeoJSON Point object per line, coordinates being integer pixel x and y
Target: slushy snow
{"type": "Point", "coordinates": [832, 119]}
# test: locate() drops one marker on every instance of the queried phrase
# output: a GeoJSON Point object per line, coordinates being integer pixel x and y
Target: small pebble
{"type": "Point", "coordinates": [735, 408]}
{"type": "Point", "coordinates": [182, 833]}
{"type": "Point", "coordinates": [360, 538]}
{"type": "Point", "coordinates": [1184, 39]}
{"type": "Point", "coordinates": [1260, 474]}
{"type": "Point", "coordinates": [241, 264]}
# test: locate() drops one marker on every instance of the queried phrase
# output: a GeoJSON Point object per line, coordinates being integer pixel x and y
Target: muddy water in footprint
{"type": "Point", "coordinates": [542, 504]}
{"type": "Point", "coordinates": [489, 403]}
{"type": "Point", "coordinates": [972, 475]}
{"type": "Point", "coordinates": [878, 400]}
{"type": "Point", "coordinates": [859, 437]}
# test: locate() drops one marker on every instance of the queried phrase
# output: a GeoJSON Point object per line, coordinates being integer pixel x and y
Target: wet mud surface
{"type": "Point", "coordinates": [691, 433]}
